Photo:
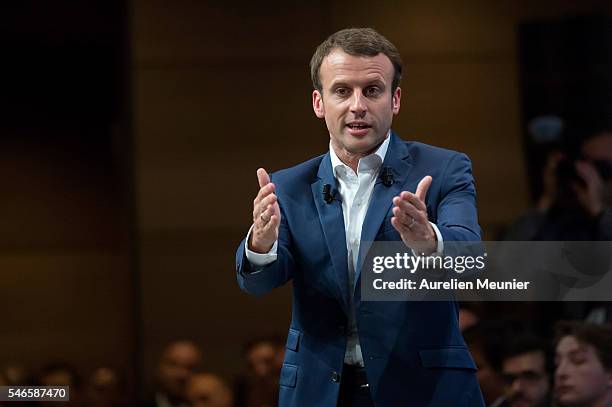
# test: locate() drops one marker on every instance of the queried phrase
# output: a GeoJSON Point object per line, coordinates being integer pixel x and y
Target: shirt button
{"type": "Point", "coordinates": [335, 377]}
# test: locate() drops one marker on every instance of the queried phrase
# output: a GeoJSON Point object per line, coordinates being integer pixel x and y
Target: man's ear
{"type": "Point", "coordinates": [317, 104]}
{"type": "Point", "coordinates": [397, 95]}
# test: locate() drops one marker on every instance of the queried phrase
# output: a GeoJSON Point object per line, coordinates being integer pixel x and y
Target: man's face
{"type": "Point", "coordinates": [206, 390]}
{"type": "Point", "coordinates": [176, 367]}
{"type": "Point", "coordinates": [262, 359]}
{"type": "Point", "coordinates": [580, 378]}
{"type": "Point", "coordinates": [527, 379]}
{"type": "Point", "coordinates": [357, 101]}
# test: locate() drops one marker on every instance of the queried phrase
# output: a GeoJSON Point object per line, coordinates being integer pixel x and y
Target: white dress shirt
{"type": "Point", "coordinates": [355, 191]}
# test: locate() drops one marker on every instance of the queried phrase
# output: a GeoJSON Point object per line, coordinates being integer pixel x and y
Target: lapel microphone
{"type": "Point", "coordinates": [387, 176]}
{"type": "Point", "coordinates": [328, 197]}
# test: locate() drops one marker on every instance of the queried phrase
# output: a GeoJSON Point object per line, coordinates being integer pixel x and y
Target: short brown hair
{"type": "Point", "coordinates": [598, 336]}
{"type": "Point", "coordinates": [356, 42]}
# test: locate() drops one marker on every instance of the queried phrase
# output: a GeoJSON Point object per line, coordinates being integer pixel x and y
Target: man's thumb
{"type": "Point", "coordinates": [262, 177]}
{"type": "Point", "coordinates": [421, 191]}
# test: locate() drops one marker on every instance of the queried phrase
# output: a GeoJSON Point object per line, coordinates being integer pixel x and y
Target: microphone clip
{"type": "Point", "coordinates": [387, 176]}
{"type": "Point", "coordinates": [328, 197]}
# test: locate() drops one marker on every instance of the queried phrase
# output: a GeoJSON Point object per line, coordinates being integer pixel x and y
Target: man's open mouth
{"type": "Point", "coordinates": [358, 126]}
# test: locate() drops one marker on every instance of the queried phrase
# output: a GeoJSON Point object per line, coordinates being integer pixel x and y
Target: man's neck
{"type": "Point", "coordinates": [352, 159]}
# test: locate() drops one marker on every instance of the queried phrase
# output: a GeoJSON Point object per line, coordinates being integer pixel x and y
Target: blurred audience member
{"type": "Point", "coordinates": [594, 188]}
{"type": "Point", "coordinates": [105, 389]}
{"type": "Point", "coordinates": [526, 369]}
{"type": "Point", "coordinates": [469, 314]}
{"type": "Point", "coordinates": [576, 203]}
{"type": "Point", "coordinates": [62, 374]}
{"type": "Point", "coordinates": [16, 375]}
{"type": "Point", "coordinates": [583, 375]}
{"type": "Point", "coordinates": [208, 390]}
{"type": "Point", "coordinates": [260, 386]}
{"type": "Point", "coordinates": [484, 341]}
{"type": "Point", "coordinates": [177, 363]}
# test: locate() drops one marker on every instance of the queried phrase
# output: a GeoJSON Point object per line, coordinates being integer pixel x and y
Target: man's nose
{"type": "Point", "coordinates": [561, 370]}
{"type": "Point", "coordinates": [358, 105]}
{"type": "Point", "coordinates": [516, 386]}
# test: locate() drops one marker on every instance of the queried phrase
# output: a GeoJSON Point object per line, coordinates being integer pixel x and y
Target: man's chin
{"type": "Point", "coordinates": [567, 399]}
{"type": "Point", "coordinates": [521, 403]}
{"type": "Point", "coordinates": [363, 146]}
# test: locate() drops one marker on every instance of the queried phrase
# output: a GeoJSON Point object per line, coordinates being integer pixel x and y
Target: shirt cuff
{"type": "Point", "coordinates": [440, 247]}
{"type": "Point", "coordinates": [259, 260]}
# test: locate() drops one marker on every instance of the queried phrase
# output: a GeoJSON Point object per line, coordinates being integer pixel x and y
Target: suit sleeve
{"type": "Point", "coordinates": [260, 280]}
{"type": "Point", "coordinates": [457, 217]}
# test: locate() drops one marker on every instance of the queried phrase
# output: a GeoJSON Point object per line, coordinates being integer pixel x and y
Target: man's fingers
{"type": "Point", "coordinates": [406, 212]}
{"type": "Point", "coordinates": [262, 219]}
{"type": "Point", "coordinates": [587, 172]}
{"type": "Point", "coordinates": [262, 177]}
{"type": "Point", "coordinates": [415, 225]}
{"type": "Point", "coordinates": [263, 213]}
{"type": "Point", "coordinates": [402, 229]}
{"type": "Point", "coordinates": [274, 222]}
{"type": "Point", "coordinates": [266, 214]}
{"type": "Point", "coordinates": [263, 192]}
{"type": "Point", "coordinates": [421, 191]}
{"type": "Point", "coordinates": [267, 201]}
{"type": "Point", "coordinates": [412, 199]}
{"type": "Point", "coordinates": [401, 217]}
{"type": "Point", "coordinates": [264, 204]}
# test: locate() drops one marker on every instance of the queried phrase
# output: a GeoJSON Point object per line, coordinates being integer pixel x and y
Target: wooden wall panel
{"type": "Point", "coordinates": [66, 306]}
{"type": "Point", "coordinates": [218, 92]}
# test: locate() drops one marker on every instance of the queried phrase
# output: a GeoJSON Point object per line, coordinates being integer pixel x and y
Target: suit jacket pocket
{"type": "Point", "coordinates": [288, 375]}
{"type": "Point", "coordinates": [454, 358]}
{"type": "Point", "coordinates": [293, 340]}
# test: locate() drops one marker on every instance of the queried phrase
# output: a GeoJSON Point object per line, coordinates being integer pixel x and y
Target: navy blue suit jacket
{"type": "Point", "coordinates": [413, 352]}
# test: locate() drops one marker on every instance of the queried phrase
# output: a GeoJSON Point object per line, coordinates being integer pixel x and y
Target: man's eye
{"type": "Point", "coordinates": [578, 360]}
{"type": "Point", "coordinates": [372, 91]}
{"type": "Point", "coordinates": [341, 91]}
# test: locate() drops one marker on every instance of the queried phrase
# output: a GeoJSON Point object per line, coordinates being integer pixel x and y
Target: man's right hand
{"type": "Point", "coordinates": [266, 215]}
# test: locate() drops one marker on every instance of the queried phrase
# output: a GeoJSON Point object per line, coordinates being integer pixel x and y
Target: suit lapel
{"type": "Point", "coordinates": [332, 222]}
{"type": "Point", "coordinates": [398, 159]}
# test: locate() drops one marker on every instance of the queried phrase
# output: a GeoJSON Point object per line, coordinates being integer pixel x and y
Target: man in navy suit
{"type": "Point", "coordinates": [309, 222]}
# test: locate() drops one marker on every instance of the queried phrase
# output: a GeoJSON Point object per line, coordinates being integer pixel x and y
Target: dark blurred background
{"type": "Point", "coordinates": [130, 133]}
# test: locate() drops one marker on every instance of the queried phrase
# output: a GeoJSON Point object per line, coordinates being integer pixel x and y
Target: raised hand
{"type": "Point", "coordinates": [591, 196]}
{"type": "Point", "coordinates": [266, 215]}
{"type": "Point", "coordinates": [410, 219]}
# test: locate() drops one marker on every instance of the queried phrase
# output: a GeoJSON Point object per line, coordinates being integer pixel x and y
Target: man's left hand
{"type": "Point", "coordinates": [410, 219]}
{"type": "Point", "coordinates": [591, 197]}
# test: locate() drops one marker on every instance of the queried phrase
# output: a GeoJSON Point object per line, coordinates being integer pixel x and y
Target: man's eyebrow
{"type": "Point", "coordinates": [573, 352]}
{"type": "Point", "coordinates": [370, 82]}
{"type": "Point", "coordinates": [338, 84]}
{"type": "Point", "coordinates": [530, 370]}
{"type": "Point", "coordinates": [578, 351]}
